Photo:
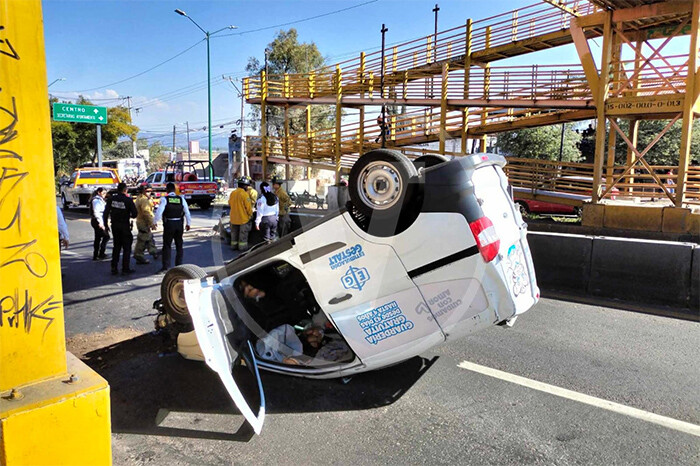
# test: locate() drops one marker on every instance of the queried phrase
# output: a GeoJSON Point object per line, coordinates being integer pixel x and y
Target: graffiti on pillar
{"type": "Point", "coordinates": [6, 47]}
{"type": "Point", "coordinates": [22, 308]}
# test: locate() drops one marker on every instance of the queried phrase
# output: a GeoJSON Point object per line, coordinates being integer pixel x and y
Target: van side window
{"type": "Point", "coordinates": [150, 178]}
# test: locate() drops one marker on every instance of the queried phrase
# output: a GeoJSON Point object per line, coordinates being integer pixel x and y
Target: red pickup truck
{"type": "Point", "coordinates": [191, 180]}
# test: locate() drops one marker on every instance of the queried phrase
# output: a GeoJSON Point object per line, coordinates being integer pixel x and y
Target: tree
{"type": "Point", "coordinates": [157, 157]}
{"type": "Point", "coordinates": [287, 55]}
{"type": "Point", "coordinates": [76, 143]}
{"type": "Point", "coordinates": [667, 150]}
{"type": "Point", "coordinates": [540, 143]}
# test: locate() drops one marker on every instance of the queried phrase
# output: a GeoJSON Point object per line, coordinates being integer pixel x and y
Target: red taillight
{"type": "Point", "coordinates": [486, 238]}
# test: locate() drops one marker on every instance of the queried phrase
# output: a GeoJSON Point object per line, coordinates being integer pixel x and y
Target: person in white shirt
{"type": "Point", "coordinates": [63, 236]}
{"type": "Point", "coordinates": [268, 209]}
{"type": "Point", "coordinates": [172, 209]}
{"type": "Point", "coordinates": [97, 210]}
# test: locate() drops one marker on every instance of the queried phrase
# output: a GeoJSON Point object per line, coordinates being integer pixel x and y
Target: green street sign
{"type": "Point", "coordinates": [80, 113]}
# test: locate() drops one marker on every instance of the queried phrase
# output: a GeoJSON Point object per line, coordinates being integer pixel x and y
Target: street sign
{"type": "Point", "coordinates": [80, 113]}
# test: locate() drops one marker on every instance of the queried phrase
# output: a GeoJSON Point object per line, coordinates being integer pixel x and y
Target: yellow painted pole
{"type": "Point", "coordinates": [43, 419]}
{"type": "Point", "coordinates": [309, 134]}
{"type": "Point", "coordinates": [691, 84]}
{"type": "Point", "coordinates": [603, 80]}
{"type": "Point", "coordinates": [286, 141]}
{"type": "Point", "coordinates": [612, 137]}
{"type": "Point", "coordinates": [467, 72]}
{"type": "Point", "coordinates": [487, 82]}
{"type": "Point", "coordinates": [634, 124]}
{"type": "Point", "coordinates": [443, 108]}
{"type": "Point", "coordinates": [338, 119]}
{"type": "Point", "coordinates": [263, 122]}
{"type": "Point", "coordinates": [361, 147]}
{"type": "Point", "coordinates": [361, 69]}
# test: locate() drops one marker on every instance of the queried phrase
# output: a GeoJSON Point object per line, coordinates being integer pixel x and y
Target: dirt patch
{"type": "Point", "coordinates": [83, 343]}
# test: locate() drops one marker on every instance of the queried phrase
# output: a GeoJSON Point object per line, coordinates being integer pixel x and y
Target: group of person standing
{"type": "Point", "coordinates": [267, 212]}
{"type": "Point", "coordinates": [116, 214]}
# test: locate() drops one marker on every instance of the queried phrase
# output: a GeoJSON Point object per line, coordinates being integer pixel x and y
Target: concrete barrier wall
{"type": "Point", "coordinates": [658, 273]}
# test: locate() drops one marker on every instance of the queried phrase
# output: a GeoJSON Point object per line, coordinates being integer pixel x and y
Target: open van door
{"type": "Point", "coordinates": [214, 329]}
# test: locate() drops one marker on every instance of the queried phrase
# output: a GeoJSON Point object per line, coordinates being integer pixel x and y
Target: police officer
{"type": "Point", "coordinates": [121, 209]}
{"type": "Point", "coordinates": [174, 211]}
{"type": "Point", "coordinates": [144, 224]}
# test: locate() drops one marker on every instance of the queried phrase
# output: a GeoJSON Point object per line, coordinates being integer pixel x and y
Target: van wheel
{"type": "Point", "coordinates": [172, 291]}
{"type": "Point", "coordinates": [380, 183]}
{"type": "Point", "coordinates": [430, 160]}
{"type": "Point", "coordinates": [66, 204]}
{"type": "Point", "coordinates": [524, 210]}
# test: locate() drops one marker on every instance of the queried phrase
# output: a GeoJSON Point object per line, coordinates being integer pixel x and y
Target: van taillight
{"type": "Point", "coordinates": [486, 238]}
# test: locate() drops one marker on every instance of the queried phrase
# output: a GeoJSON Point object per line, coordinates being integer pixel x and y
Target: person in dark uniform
{"type": "Point", "coordinates": [174, 211]}
{"type": "Point", "coordinates": [121, 209]}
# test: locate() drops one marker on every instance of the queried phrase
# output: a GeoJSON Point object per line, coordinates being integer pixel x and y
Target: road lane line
{"type": "Point", "coordinates": [669, 422]}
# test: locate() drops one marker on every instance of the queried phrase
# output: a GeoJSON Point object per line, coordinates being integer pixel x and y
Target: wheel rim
{"type": "Point", "coordinates": [177, 295]}
{"type": "Point", "coordinates": [380, 185]}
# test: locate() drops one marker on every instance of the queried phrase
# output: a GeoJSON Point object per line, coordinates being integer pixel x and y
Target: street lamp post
{"type": "Point", "coordinates": [207, 35]}
{"type": "Point", "coordinates": [55, 81]}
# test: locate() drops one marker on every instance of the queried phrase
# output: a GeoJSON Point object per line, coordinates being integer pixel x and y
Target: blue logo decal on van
{"type": "Point", "coordinates": [384, 322]}
{"type": "Point", "coordinates": [345, 257]}
{"type": "Point", "coordinates": [355, 278]}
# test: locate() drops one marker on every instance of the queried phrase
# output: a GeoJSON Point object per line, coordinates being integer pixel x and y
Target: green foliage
{"type": "Point", "coordinates": [667, 150]}
{"type": "Point", "coordinates": [540, 143]}
{"type": "Point", "coordinates": [157, 156]}
{"type": "Point", "coordinates": [76, 143]}
{"type": "Point", "coordinates": [287, 55]}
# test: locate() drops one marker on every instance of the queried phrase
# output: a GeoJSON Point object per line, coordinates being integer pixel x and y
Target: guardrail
{"type": "Point", "coordinates": [428, 52]}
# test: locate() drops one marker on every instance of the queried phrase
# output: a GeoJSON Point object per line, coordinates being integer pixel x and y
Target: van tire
{"type": "Point", "coordinates": [172, 291]}
{"type": "Point", "coordinates": [381, 183]}
{"type": "Point", "coordinates": [66, 204]}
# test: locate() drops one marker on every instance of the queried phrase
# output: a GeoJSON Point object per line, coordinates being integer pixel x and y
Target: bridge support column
{"type": "Point", "coordinates": [691, 98]}
{"type": "Point", "coordinates": [602, 93]}
{"type": "Point", "coordinates": [53, 408]}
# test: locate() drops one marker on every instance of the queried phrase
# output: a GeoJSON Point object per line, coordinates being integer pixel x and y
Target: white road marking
{"type": "Point", "coordinates": [668, 422]}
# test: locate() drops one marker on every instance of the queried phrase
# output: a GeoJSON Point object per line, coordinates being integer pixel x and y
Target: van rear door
{"type": "Point", "coordinates": [514, 261]}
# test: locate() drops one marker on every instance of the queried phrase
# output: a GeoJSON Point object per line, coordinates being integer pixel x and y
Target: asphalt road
{"type": "Point", "coordinates": [631, 386]}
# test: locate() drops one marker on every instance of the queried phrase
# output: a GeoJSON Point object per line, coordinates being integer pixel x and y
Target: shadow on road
{"type": "Point", "coordinates": [147, 383]}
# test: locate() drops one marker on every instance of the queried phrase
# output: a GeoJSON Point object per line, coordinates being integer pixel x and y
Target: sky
{"type": "Point", "coordinates": [98, 46]}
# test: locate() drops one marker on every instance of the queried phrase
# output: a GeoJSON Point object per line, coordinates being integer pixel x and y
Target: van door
{"type": "Point", "coordinates": [364, 289]}
{"type": "Point", "coordinates": [213, 326]}
{"type": "Point", "coordinates": [514, 261]}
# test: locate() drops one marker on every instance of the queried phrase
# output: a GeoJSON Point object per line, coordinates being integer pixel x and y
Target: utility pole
{"type": "Point", "coordinates": [189, 152]}
{"type": "Point", "coordinates": [245, 170]}
{"type": "Point", "coordinates": [381, 85]}
{"type": "Point", "coordinates": [133, 143]}
{"type": "Point", "coordinates": [561, 143]}
{"type": "Point", "coordinates": [173, 141]}
{"type": "Point", "coordinates": [435, 10]}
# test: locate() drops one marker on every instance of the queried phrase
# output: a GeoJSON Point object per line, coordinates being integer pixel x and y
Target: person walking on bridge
{"type": "Point", "coordinates": [174, 211]}
{"type": "Point", "coordinates": [144, 226]}
{"type": "Point", "coordinates": [121, 209]}
{"type": "Point", "coordinates": [241, 212]}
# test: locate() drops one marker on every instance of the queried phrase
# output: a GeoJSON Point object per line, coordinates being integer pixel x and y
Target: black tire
{"type": "Point", "coordinates": [381, 184]}
{"type": "Point", "coordinates": [66, 204]}
{"type": "Point", "coordinates": [430, 160]}
{"type": "Point", "coordinates": [172, 291]}
{"type": "Point", "coordinates": [204, 205]}
{"type": "Point", "coordinates": [524, 209]}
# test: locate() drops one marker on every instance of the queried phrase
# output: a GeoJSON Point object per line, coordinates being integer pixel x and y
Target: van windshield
{"type": "Point", "coordinates": [97, 174]}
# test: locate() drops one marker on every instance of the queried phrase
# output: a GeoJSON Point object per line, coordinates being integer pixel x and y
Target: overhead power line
{"type": "Point", "coordinates": [145, 71]}
{"type": "Point", "coordinates": [250, 31]}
